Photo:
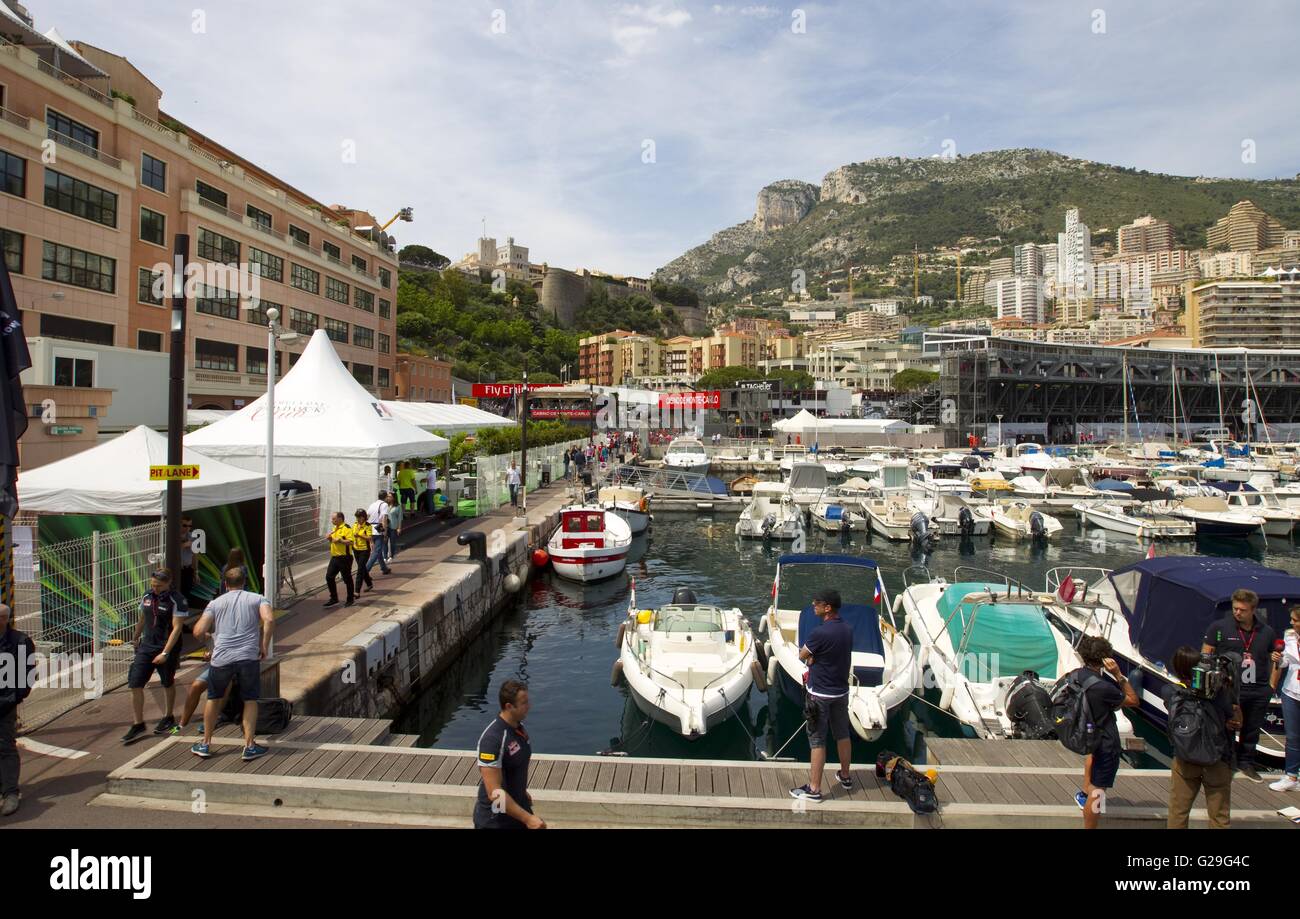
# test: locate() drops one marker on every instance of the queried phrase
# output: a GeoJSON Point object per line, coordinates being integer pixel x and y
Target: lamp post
{"type": "Point", "coordinates": [999, 430]}
{"type": "Point", "coordinates": [270, 574]}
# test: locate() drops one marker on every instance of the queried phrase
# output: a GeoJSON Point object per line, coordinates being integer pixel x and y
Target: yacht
{"type": "Point", "coordinates": [1213, 517]}
{"type": "Point", "coordinates": [686, 454]}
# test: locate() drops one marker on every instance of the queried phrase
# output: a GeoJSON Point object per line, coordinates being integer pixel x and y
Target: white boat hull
{"type": "Point", "coordinates": [589, 568]}
{"type": "Point", "coordinates": [638, 521]}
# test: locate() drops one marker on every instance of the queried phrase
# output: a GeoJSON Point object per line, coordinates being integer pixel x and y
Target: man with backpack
{"type": "Point", "coordinates": [1244, 633]}
{"type": "Point", "coordinates": [1084, 707]}
{"type": "Point", "coordinates": [1199, 730]}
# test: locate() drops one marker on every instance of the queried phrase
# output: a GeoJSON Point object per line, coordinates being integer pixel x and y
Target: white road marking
{"type": "Point", "coordinates": [44, 749]}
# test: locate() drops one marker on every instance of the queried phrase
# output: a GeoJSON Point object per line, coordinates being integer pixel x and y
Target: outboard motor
{"type": "Point", "coordinates": [768, 525]}
{"type": "Point", "coordinates": [922, 535]}
{"type": "Point", "coordinates": [970, 462]}
{"type": "Point", "coordinates": [1037, 527]}
{"type": "Point", "coordinates": [684, 596]}
{"type": "Point", "coordinates": [1029, 706]}
{"type": "Point", "coordinates": [966, 522]}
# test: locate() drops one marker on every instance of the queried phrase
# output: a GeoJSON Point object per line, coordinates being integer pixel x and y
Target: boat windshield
{"type": "Point", "coordinates": [689, 619]}
{"type": "Point", "coordinates": [679, 449]}
{"type": "Point", "coordinates": [856, 584]}
{"type": "Point", "coordinates": [999, 639]}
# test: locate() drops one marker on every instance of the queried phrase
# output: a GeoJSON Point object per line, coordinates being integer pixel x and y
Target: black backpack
{"type": "Point", "coordinates": [1196, 730]}
{"type": "Point", "coordinates": [1076, 727]}
{"type": "Point", "coordinates": [273, 715]}
{"type": "Point", "coordinates": [912, 786]}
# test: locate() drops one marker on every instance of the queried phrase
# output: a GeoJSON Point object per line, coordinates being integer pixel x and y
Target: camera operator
{"type": "Point", "coordinates": [1246, 634]}
{"type": "Point", "coordinates": [1201, 715]}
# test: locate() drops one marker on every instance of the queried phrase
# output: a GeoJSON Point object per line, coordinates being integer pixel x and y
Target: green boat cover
{"type": "Point", "coordinates": [1001, 639]}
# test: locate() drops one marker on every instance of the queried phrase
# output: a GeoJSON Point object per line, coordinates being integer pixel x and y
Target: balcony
{"type": "Point", "coordinates": [64, 140]}
{"type": "Point", "coordinates": [14, 118]}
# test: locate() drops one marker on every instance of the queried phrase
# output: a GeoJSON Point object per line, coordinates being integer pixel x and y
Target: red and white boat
{"type": "Point", "coordinates": [590, 544]}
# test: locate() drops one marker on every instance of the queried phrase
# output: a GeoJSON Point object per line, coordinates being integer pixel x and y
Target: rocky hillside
{"type": "Point", "coordinates": [865, 213]}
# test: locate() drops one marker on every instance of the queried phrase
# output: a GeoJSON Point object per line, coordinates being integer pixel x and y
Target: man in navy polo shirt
{"type": "Point", "coordinates": [828, 652]}
{"type": "Point", "coordinates": [157, 641]}
{"type": "Point", "coordinates": [504, 752]}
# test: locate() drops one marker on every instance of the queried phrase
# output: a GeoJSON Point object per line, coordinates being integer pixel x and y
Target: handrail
{"type": "Point", "coordinates": [1006, 579]}
{"type": "Point", "coordinates": [161, 129]}
{"type": "Point", "coordinates": [72, 82]}
{"type": "Point", "coordinates": [82, 148]}
{"type": "Point", "coordinates": [21, 121]}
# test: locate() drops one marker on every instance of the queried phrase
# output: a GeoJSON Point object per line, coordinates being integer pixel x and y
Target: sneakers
{"type": "Point", "coordinates": [134, 733]}
{"type": "Point", "coordinates": [10, 805]}
{"type": "Point", "coordinates": [806, 793]}
{"type": "Point", "coordinates": [329, 603]}
{"type": "Point", "coordinates": [846, 781]}
{"type": "Point", "coordinates": [165, 726]}
{"type": "Point", "coordinates": [201, 750]}
{"type": "Point", "coordinates": [348, 603]}
{"type": "Point", "coordinates": [176, 730]}
{"type": "Point", "coordinates": [1081, 799]}
{"type": "Point", "coordinates": [1250, 773]}
{"type": "Point", "coordinates": [256, 751]}
{"type": "Point", "coordinates": [1286, 783]}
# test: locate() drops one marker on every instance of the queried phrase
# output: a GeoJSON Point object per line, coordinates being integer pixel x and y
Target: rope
{"type": "Point", "coordinates": [792, 737]}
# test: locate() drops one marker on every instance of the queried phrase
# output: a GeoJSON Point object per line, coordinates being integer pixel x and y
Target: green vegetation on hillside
{"type": "Point", "coordinates": [908, 380]}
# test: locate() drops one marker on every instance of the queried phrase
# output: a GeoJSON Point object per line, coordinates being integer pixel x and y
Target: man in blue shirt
{"type": "Point", "coordinates": [504, 752]}
{"type": "Point", "coordinates": [157, 641]}
{"type": "Point", "coordinates": [828, 652]}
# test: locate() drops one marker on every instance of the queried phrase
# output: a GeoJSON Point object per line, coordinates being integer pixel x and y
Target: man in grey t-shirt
{"type": "Point", "coordinates": [240, 623]}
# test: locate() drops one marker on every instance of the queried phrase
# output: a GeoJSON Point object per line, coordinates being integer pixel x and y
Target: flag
{"type": "Point", "coordinates": [1151, 549]}
{"type": "Point", "coordinates": [1066, 590]}
{"type": "Point", "coordinates": [14, 359]}
{"type": "Point", "coordinates": [876, 599]}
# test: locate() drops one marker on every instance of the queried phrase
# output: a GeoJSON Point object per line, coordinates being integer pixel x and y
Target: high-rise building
{"type": "Point", "coordinates": [1146, 234]}
{"type": "Point", "coordinates": [1028, 261]}
{"type": "Point", "coordinates": [1245, 228]}
{"type": "Point", "coordinates": [1074, 259]}
{"type": "Point", "coordinates": [1001, 268]}
{"type": "Point", "coordinates": [1250, 314]}
{"type": "Point", "coordinates": [1019, 298]}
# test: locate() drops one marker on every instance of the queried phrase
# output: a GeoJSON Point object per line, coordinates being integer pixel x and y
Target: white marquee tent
{"type": "Point", "coordinates": [329, 431]}
{"type": "Point", "coordinates": [446, 417]}
{"type": "Point", "coordinates": [113, 478]}
{"type": "Point", "coordinates": [805, 422]}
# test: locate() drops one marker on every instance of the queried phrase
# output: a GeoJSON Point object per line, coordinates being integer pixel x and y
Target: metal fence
{"type": "Point", "coordinates": [299, 529]}
{"type": "Point", "coordinates": [543, 463]}
{"type": "Point", "coordinates": [79, 602]}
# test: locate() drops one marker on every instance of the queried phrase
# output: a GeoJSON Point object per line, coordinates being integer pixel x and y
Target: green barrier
{"type": "Point", "coordinates": [466, 508]}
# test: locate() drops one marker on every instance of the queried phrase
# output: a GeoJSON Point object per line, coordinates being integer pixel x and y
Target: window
{"type": "Point", "coordinates": [210, 193]}
{"type": "Point", "coordinates": [255, 360]}
{"type": "Point", "coordinates": [218, 248]}
{"type": "Point", "coordinates": [384, 309]}
{"type": "Point", "coordinates": [255, 311]}
{"type": "Point", "coordinates": [304, 278]}
{"type": "Point", "coordinates": [153, 227]}
{"type": "Point", "coordinates": [332, 251]}
{"type": "Point", "coordinates": [217, 303]}
{"type": "Point", "coordinates": [359, 263]}
{"type": "Point", "coordinates": [74, 371]}
{"type": "Point", "coordinates": [383, 378]}
{"type": "Point", "coordinates": [384, 343]}
{"type": "Point", "coordinates": [13, 246]}
{"type": "Point", "coordinates": [336, 290]}
{"type": "Point", "coordinates": [337, 330]}
{"type": "Point", "coordinates": [385, 277]}
{"type": "Point", "coordinates": [259, 217]}
{"type": "Point", "coordinates": [78, 268]}
{"type": "Point", "coordinates": [148, 341]}
{"type": "Point", "coordinates": [153, 173]}
{"type": "Point", "coordinates": [81, 199]}
{"type": "Point", "coordinates": [73, 129]}
{"type": "Point", "coordinates": [216, 355]}
{"type": "Point", "coordinates": [303, 322]}
{"type": "Point", "coordinates": [147, 283]}
{"type": "Point", "coordinates": [363, 337]}
{"type": "Point", "coordinates": [365, 300]}
{"type": "Point", "coordinates": [65, 327]}
{"type": "Point", "coordinates": [269, 266]}
{"type": "Point", "coordinates": [364, 374]}
{"type": "Point", "coordinates": [299, 236]}
{"type": "Point", "coordinates": [13, 174]}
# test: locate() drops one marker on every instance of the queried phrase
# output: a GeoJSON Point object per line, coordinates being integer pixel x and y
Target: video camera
{"type": "Point", "coordinates": [1216, 672]}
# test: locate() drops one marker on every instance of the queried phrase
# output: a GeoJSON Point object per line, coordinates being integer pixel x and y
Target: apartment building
{"type": "Point", "coordinates": [421, 378]}
{"type": "Point", "coordinates": [1227, 265]}
{"type": "Point", "coordinates": [1245, 228]}
{"type": "Point", "coordinates": [875, 323]}
{"type": "Point", "coordinates": [1146, 234]}
{"type": "Point", "coordinates": [88, 220]}
{"type": "Point", "coordinates": [1251, 314]}
{"type": "Point", "coordinates": [1021, 298]}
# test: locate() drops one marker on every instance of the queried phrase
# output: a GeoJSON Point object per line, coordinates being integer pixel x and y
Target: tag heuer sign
{"type": "Point", "coordinates": [63, 430]}
{"type": "Point", "coordinates": [762, 385]}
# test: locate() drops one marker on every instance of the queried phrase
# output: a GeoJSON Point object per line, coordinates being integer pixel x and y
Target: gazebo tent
{"type": "Point", "coordinates": [329, 432]}
{"type": "Point", "coordinates": [445, 417]}
{"type": "Point", "coordinates": [802, 421]}
{"type": "Point", "coordinates": [113, 478]}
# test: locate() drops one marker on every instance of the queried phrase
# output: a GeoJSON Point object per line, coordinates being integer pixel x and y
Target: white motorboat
{"type": "Point", "coordinates": [686, 454]}
{"type": "Point", "coordinates": [1020, 521]}
{"type": "Point", "coordinates": [1279, 520]}
{"type": "Point", "coordinates": [770, 514]}
{"type": "Point", "coordinates": [689, 665]}
{"type": "Point", "coordinates": [993, 651]}
{"type": "Point", "coordinates": [1058, 490]}
{"type": "Point", "coordinates": [894, 517]}
{"type": "Point", "coordinates": [1213, 517]}
{"type": "Point", "coordinates": [807, 482]}
{"type": "Point", "coordinates": [1135, 520]}
{"type": "Point", "coordinates": [840, 507]}
{"type": "Point", "coordinates": [590, 544]}
{"type": "Point", "coordinates": [630, 502]}
{"type": "Point", "coordinates": [884, 665]}
{"type": "Point", "coordinates": [954, 515]}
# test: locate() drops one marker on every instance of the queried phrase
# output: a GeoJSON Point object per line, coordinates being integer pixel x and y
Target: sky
{"type": "Point", "coordinates": [615, 136]}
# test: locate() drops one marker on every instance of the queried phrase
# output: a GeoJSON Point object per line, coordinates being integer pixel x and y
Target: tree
{"type": "Point", "coordinates": [422, 257]}
{"type": "Point", "coordinates": [910, 379]}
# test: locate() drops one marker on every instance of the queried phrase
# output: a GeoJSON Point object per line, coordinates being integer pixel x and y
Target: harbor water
{"type": "Point", "coordinates": [560, 639]}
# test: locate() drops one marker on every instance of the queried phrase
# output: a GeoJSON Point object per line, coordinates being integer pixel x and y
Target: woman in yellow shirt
{"type": "Point", "coordinates": [361, 536]}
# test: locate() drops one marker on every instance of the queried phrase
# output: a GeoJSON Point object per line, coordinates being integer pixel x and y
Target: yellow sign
{"type": "Point", "coordinates": [467, 400]}
{"type": "Point", "coordinates": [167, 473]}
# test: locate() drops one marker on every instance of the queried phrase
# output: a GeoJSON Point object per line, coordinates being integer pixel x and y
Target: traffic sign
{"type": "Point", "coordinates": [167, 473]}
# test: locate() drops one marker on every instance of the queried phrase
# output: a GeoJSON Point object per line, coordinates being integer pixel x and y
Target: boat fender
{"type": "Point", "coordinates": [622, 631]}
{"type": "Point", "coordinates": [923, 659]}
{"type": "Point", "coordinates": [760, 677]}
{"type": "Point", "coordinates": [945, 699]}
{"type": "Point", "coordinates": [772, 664]}
{"type": "Point", "coordinates": [898, 601]}
{"type": "Point", "coordinates": [760, 651]}
{"type": "Point", "coordinates": [616, 674]}
{"type": "Point", "coordinates": [762, 626]}
{"type": "Point", "coordinates": [1136, 677]}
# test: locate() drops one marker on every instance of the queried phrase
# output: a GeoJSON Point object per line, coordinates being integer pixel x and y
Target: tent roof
{"type": "Point", "coordinates": [320, 411]}
{"type": "Point", "coordinates": [803, 419]}
{"type": "Point", "coordinates": [446, 417]}
{"type": "Point", "coordinates": [113, 478]}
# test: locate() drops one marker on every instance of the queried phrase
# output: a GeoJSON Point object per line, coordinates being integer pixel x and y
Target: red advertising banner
{"type": "Point", "coordinates": [506, 390]}
{"type": "Point", "coordinates": [691, 399]}
{"type": "Point", "coordinates": [560, 413]}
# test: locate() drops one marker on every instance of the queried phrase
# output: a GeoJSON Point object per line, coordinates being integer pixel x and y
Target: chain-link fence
{"type": "Point", "coordinates": [79, 602]}
{"type": "Point", "coordinates": [544, 463]}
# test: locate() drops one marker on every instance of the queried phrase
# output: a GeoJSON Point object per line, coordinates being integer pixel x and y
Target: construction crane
{"type": "Point", "coordinates": [406, 215]}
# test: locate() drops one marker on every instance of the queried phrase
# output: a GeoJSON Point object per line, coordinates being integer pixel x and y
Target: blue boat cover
{"type": "Point", "coordinates": [709, 485]}
{"type": "Point", "coordinates": [1170, 601]}
{"type": "Point", "coordinates": [834, 512]}
{"type": "Point", "coordinates": [1216, 463]}
{"type": "Point", "coordinates": [1112, 485]}
{"type": "Point", "coordinates": [865, 622]}
{"type": "Point", "coordinates": [1235, 486]}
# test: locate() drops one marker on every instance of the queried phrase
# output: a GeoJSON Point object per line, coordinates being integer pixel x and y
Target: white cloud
{"type": "Point", "coordinates": [658, 15]}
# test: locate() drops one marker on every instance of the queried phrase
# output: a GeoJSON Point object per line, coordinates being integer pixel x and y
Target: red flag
{"type": "Point", "coordinates": [1066, 590]}
{"type": "Point", "coordinates": [1151, 550]}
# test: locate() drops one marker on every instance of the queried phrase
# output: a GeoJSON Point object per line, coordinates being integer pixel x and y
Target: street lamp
{"type": "Point", "coordinates": [269, 549]}
{"type": "Point", "coordinates": [480, 371]}
{"type": "Point", "coordinates": [999, 430]}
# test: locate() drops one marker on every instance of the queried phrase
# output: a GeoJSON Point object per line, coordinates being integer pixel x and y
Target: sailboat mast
{"type": "Point", "coordinates": [1173, 394]}
{"type": "Point", "coordinates": [1124, 396]}
{"type": "Point", "coordinates": [1218, 382]}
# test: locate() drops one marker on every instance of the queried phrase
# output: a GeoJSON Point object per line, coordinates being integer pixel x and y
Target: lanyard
{"type": "Point", "coordinates": [1247, 639]}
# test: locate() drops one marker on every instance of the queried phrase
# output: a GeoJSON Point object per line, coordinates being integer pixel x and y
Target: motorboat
{"type": "Point", "coordinates": [1149, 609]}
{"type": "Point", "coordinates": [954, 515]}
{"type": "Point", "coordinates": [940, 478]}
{"type": "Point", "coordinates": [1019, 520]}
{"type": "Point", "coordinates": [770, 514]}
{"type": "Point", "coordinates": [630, 502]}
{"type": "Point", "coordinates": [884, 664]}
{"type": "Point", "coordinates": [840, 507]}
{"type": "Point", "coordinates": [1134, 520]}
{"type": "Point", "coordinates": [1213, 517]}
{"type": "Point", "coordinates": [994, 650]}
{"type": "Point", "coordinates": [834, 468]}
{"type": "Point", "coordinates": [807, 482]}
{"type": "Point", "coordinates": [590, 544]}
{"type": "Point", "coordinates": [686, 454]}
{"type": "Point", "coordinates": [689, 665]}
{"type": "Point", "coordinates": [1279, 520]}
{"type": "Point", "coordinates": [894, 517]}
{"type": "Point", "coordinates": [1058, 489]}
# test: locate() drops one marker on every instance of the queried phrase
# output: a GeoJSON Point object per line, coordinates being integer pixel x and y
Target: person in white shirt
{"type": "Point", "coordinates": [1286, 678]}
{"type": "Point", "coordinates": [513, 480]}
{"type": "Point", "coordinates": [377, 514]}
